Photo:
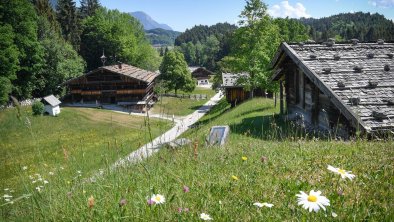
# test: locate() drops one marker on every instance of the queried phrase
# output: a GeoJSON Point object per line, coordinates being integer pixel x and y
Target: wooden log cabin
{"type": "Point", "coordinates": [337, 87]}
{"type": "Point", "coordinates": [234, 91]}
{"type": "Point", "coordinates": [120, 84]}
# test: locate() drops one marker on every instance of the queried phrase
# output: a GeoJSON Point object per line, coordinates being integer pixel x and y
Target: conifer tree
{"type": "Point", "coordinates": [67, 16]}
{"type": "Point", "coordinates": [88, 7]}
{"type": "Point", "coordinates": [44, 8]}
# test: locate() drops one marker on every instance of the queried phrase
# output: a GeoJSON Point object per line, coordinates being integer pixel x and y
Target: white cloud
{"type": "Point", "coordinates": [284, 9]}
{"type": "Point", "coordinates": [382, 3]}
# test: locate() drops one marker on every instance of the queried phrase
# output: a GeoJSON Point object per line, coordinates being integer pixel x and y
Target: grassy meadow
{"type": "Point", "coordinates": [79, 139]}
{"type": "Point", "coordinates": [261, 162]}
{"type": "Point", "coordinates": [182, 106]}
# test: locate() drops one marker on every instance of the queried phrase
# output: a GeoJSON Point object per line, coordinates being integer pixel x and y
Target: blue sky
{"type": "Point", "coordinates": [183, 14]}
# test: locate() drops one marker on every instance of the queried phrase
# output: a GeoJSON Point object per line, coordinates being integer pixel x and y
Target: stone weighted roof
{"type": "Point", "coordinates": [358, 77]}
{"type": "Point", "coordinates": [133, 72]}
{"type": "Point", "coordinates": [230, 80]}
{"type": "Point", "coordinates": [126, 70]}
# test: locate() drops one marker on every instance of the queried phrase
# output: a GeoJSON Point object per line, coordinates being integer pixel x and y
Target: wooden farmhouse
{"type": "Point", "coordinates": [51, 105]}
{"type": "Point", "coordinates": [202, 75]}
{"type": "Point", "coordinates": [120, 84]}
{"type": "Point", "coordinates": [330, 86]}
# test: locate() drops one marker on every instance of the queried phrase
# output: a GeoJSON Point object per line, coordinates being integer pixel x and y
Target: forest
{"type": "Point", "coordinates": [365, 27]}
{"type": "Point", "coordinates": [42, 46]}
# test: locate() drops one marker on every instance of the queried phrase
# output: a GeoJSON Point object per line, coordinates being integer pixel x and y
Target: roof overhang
{"type": "Point", "coordinates": [285, 50]}
{"type": "Point", "coordinates": [100, 69]}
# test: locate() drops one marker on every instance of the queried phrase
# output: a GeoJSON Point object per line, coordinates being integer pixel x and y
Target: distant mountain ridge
{"type": "Point", "coordinates": [148, 22]}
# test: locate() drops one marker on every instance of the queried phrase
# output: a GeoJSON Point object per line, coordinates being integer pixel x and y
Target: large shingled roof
{"type": "Point", "coordinates": [133, 72]}
{"type": "Point", "coordinates": [357, 77]}
{"type": "Point", "coordinates": [126, 70]}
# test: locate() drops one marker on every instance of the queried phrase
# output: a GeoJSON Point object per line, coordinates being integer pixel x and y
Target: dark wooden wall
{"type": "Point", "coordinates": [237, 95]}
{"type": "Point", "coordinates": [108, 88]}
{"type": "Point", "coordinates": [304, 99]}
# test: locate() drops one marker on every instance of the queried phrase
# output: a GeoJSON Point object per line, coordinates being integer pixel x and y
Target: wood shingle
{"type": "Point", "coordinates": [359, 72]}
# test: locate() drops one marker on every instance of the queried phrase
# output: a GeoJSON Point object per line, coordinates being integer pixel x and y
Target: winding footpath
{"type": "Point", "coordinates": [182, 124]}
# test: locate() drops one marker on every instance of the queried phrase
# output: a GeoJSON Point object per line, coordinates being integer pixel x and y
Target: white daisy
{"type": "Point", "coordinates": [205, 216]}
{"type": "Point", "coordinates": [158, 198]}
{"type": "Point", "coordinates": [344, 174]}
{"type": "Point", "coordinates": [51, 173]}
{"type": "Point", "coordinates": [258, 204]}
{"type": "Point", "coordinates": [333, 214]}
{"type": "Point", "coordinates": [38, 189]}
{"type": "Point", "coordinates": [313, 201]}
{"type": "Point", "coordinates": [46, 181]}
{"type": "Point", "coordinates": [6, 196]}
{"type": "Point", "coordinates": [24, 168]}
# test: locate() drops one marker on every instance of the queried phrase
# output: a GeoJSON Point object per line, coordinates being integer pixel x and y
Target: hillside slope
{"type": "Point", "coordinates": [161, 36]}
{"type": "Point", "coordinates": [226, 182]}
{"type": "Point", "coordinates": [363, 26]}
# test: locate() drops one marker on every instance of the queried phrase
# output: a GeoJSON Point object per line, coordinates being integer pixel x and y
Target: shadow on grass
{"type": "Point", "coordinates": [269, 127]}
{"type": "Point", "coordinates": [215, 112]}
{"type": "Point", "coordinates": [262, 109]}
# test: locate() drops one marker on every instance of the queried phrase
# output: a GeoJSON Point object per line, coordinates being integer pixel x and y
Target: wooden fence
{"type": "Point", "coordinates": [186, 96]}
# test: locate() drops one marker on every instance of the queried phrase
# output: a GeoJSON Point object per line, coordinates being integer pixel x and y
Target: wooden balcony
{"type": "Point", "coordinates": [130, 91]}
{"type": "Point", "coordinates": [91, 92]}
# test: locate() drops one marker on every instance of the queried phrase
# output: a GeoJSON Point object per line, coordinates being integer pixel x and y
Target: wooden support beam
{"type": "Point", "coordinates": [281, 97]}
{"type": "Point", "coordinates": [315, 107]}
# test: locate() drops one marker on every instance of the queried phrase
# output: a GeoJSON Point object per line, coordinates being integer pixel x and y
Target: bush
{"type": "Point", "coordinates": [38, 108]}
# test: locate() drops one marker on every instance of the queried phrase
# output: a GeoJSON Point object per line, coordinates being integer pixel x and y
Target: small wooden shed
{"type": "Point", "coordinates": [234, 91]}
{"type": "Point", "coordinates": [337, 86]}
{"type": "Point", "coordinates": [51, 105]}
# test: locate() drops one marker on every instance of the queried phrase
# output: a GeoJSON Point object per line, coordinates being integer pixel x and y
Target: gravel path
{"type": "Point", "coordinates": [180, 127]}
{"type": "Point", "coordinates": [182, 124]}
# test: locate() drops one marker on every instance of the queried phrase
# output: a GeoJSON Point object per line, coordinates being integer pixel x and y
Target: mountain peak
{"type": "Point", "coordinates": [148, 22]}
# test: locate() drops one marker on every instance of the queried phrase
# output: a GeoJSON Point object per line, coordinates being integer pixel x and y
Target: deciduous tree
{"type": "Point", "coordinates": [21, 16]}
{"type": "Point", "coordinates": [121, 36]}
{"type": "Point", "coordinates": [9, 63]}
{"type": "Point", "coordinates": [253, 46]}
{"type": "Point", "coordinates": [175, 73]}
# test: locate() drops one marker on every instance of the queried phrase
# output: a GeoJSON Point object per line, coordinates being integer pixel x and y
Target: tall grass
{"type": "Point", "coordinates": [275, 170]}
